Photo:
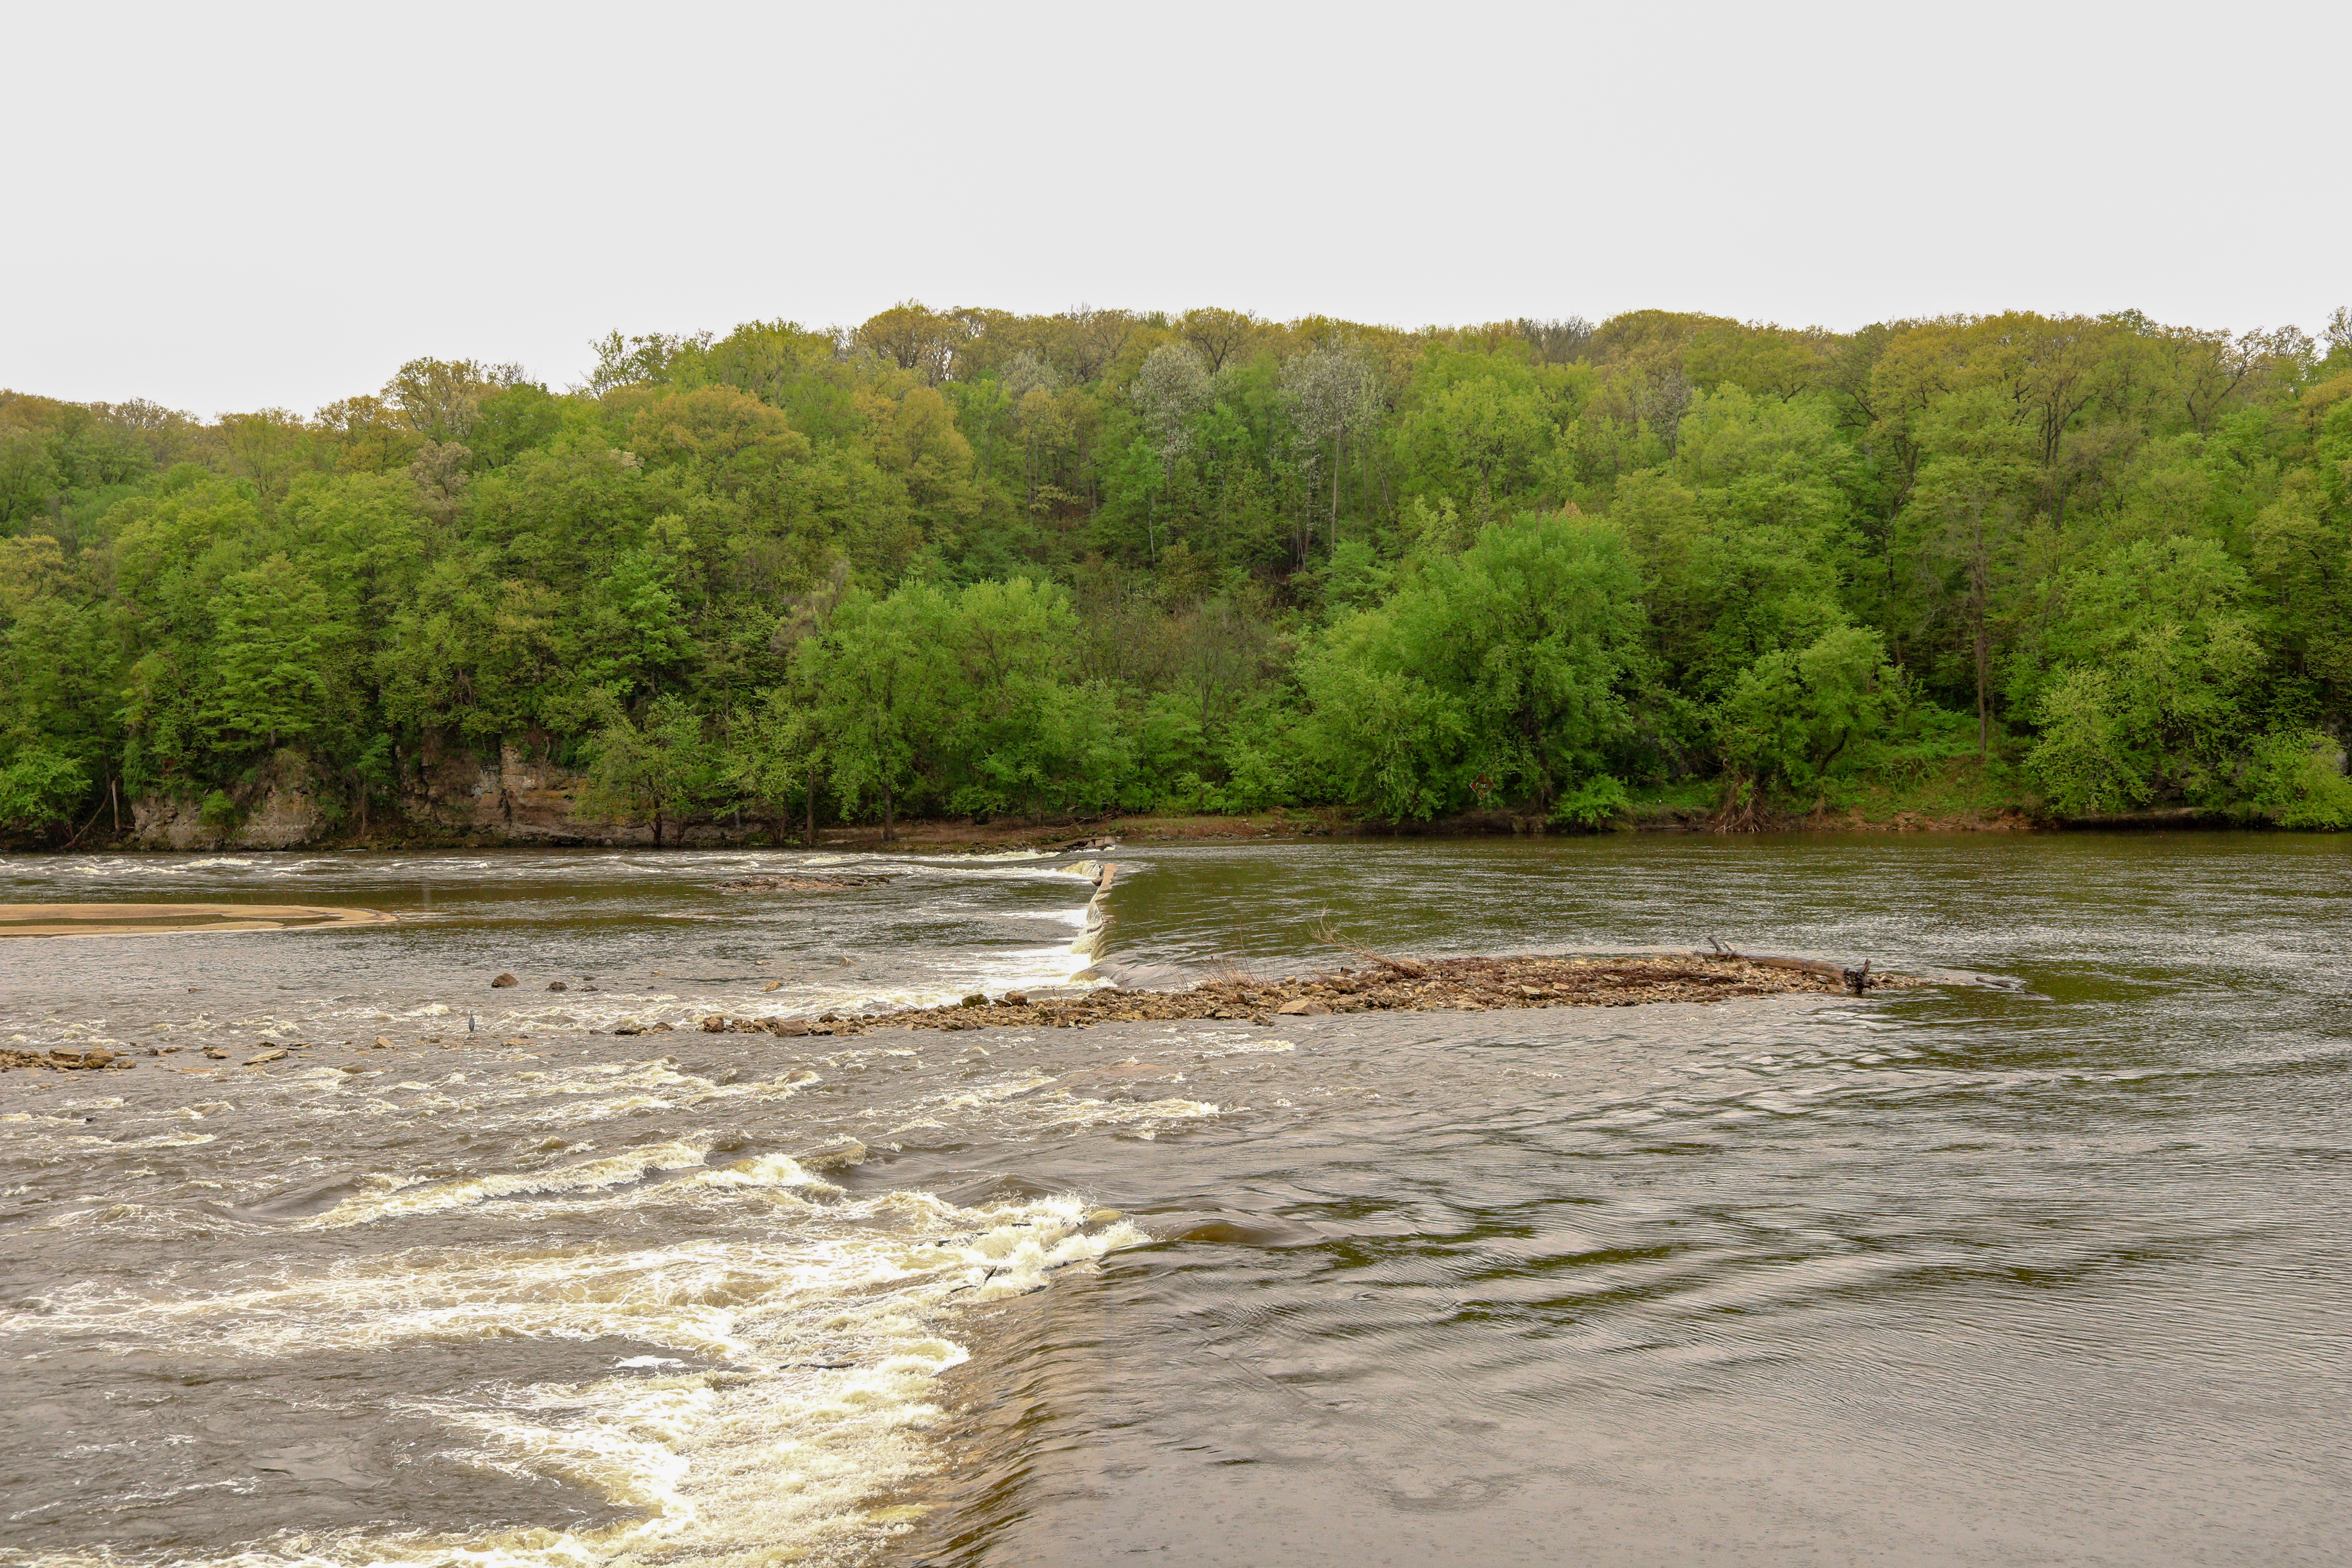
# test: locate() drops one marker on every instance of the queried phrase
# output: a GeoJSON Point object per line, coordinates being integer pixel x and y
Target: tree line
{"type": "Point", "coordinates": [1020, 566]}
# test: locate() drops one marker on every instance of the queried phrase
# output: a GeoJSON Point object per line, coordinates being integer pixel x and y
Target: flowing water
{"type": "Point", "coordinates": [2053, 1269]}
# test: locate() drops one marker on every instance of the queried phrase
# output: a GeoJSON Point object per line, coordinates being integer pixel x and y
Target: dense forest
{"type": "Point", "coordinates": [974, 563]}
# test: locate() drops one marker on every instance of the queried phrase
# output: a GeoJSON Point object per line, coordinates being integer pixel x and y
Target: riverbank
{"type": "Point", "coordinates": [513, 806]}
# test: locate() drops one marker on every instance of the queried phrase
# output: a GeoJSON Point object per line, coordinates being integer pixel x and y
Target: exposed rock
{"type": "Point", "coordinates": [264, 1057]}
{"type": "Point", "coordinates": [1451, 985]}
{"type": "Point", "coordinates": [62, 1059]}
{"type": "Point", "coordinates": [382, 1044]}
{"type": "Point", "coordinates": [504, 980]}
{"type": "Point", "coordinates": [833, 883]}
{"type": "Point", "coordinates": [556, 985]}
{"type": "Point", "coordinates": [832, 1155]}
{"type": "Point", "coordinates": [1017, 998]}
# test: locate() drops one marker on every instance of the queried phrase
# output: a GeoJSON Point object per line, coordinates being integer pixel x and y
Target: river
{"type": "Point", "coordinates": [2051, 1267]}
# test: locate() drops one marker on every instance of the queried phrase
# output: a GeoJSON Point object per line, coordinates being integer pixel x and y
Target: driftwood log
{"type": "Point", "coordinates": [1855, 980]}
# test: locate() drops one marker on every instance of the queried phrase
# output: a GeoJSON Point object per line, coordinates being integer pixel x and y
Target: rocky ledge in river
{"type": "Point", "coordinates": [61, 1061]}
{"type": "Point", "coordinates": [826, 884]}
{"type": "Point", "coordinates": [1443, 985]}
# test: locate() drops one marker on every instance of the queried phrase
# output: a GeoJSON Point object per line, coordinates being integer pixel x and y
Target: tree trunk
{"type": "Point", "coordinates": [657, 826]}
{"type": "Point", "coordinates": [888, 813]}
{"type": "Point", "coordinates": [1337, 471]}
{"type": "Point", "coordinates": [811, 807]}
{"type": "Point", "coordinates": [1984, 718]}
{"type": "Point", "coordinates": [1981, 633]}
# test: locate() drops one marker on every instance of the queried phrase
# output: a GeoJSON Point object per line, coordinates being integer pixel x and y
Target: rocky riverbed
{"type": "Point", "coordinates": [1456, 984]}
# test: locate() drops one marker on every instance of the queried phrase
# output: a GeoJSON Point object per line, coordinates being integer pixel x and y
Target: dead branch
{"type": "Point", "coordinates": [1855, 980]}
{"type": "Point", "coordinates": [1327, 932]}
{"type": "Point", "coordinates": [1232, 972]}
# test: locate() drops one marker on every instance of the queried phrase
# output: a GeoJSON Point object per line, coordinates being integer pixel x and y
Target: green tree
{"type": "Point", "coordinates": [2083, 761]}
{"type": "Point", "coordinates": [885, 683]}
{"type": "Point", "coordinates": [651, 771]}
{"type": "Point", "coordinates": [274, 658]}
{"type": "Point", "coordinates": [1499, 672]}
{"type": "Point", "coordinates": [1796, 718]}
{"type": "Point", "coordinates": [39, 788]}
{"type": "Point", "coordinates": [775, 751]}
{"type": "Point", "coordinates": [2298, 781]}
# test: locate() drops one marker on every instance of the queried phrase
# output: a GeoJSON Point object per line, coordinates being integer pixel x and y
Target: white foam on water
{"type": "Point", "coordinates": [1017, 969]}
{"type": "Point", "coordinates": [821, 1349]}
{"type": "Point", "coordinates": [1143, 1114]}
{"type": "Point", "coordinates": [991, 857]}
{"type": "Point", "coordinates": [159, 1140]}
{"type": "Point", "coordinates": [440, 1197]}
{"type": "Point", "coordinates": [1244, 1047]}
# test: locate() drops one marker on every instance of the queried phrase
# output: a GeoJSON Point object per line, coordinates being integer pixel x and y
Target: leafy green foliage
{"type": "Point", "coordinates": [1795, 719]}
{"type": "Point", "coordinates": [38, 788]}
{"type": "Point", "coordinates": [2298, 781]}
{"type": "Point", "coordinates": [1498, 673]}
{"type": "Point", "coordinates": [1007, 565]}
{"type": "Point", "coordinates": [2085, 762]}
{"type": "Point", "coordinates": [654, 772]}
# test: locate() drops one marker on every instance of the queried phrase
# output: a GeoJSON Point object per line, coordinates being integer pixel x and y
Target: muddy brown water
{"type": "Point", "coordinates": [2052, 1269]}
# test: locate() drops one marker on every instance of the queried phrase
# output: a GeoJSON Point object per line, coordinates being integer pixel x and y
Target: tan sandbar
{"type": "Point", "coordinates": [137, 919]}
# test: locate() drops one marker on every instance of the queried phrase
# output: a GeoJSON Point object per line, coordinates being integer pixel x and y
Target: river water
{"type": "Point", "coordinates": [2056, 1270]}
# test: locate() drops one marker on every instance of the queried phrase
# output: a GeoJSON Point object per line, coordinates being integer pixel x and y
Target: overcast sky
{"type": "Point", "coordinates": [226, 206]}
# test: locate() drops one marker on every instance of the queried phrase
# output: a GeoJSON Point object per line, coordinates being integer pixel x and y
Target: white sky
{"type": "Point", "coordinates": [224, 207]}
